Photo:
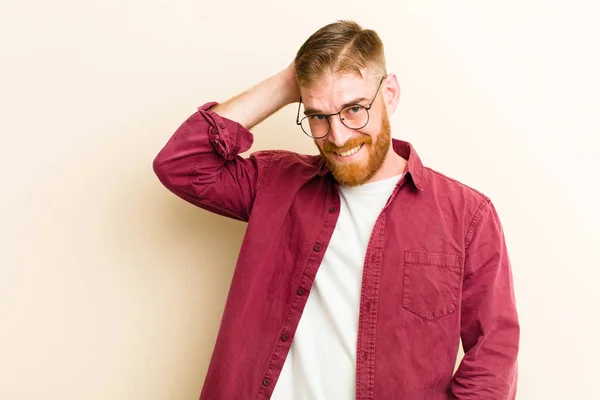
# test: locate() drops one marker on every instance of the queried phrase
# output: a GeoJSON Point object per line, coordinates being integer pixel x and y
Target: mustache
{"type": "Point", "coordinates": [329, 147]}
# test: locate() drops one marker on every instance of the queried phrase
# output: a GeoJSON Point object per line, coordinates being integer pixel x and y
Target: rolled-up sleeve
{"type": "Point", "coordinates": [201, 164]}
{"type": "Point", "coordinates": [489, 322]}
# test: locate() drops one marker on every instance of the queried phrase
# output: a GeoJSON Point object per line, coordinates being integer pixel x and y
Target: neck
{"type": "Point", "coordinates": [393, 165]}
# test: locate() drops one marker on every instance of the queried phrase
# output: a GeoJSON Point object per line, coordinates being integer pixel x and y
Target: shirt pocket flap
{"type": "Point", "coordinates": [441, 260]}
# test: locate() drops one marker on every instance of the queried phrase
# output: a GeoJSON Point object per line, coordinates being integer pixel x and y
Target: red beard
{"type": "Point", "coordinates": [359, 172]}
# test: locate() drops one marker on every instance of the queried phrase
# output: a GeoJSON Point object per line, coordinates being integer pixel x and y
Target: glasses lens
{"type": "Point", "coordinates": [316, 126]}
{"type": "Point", "coordinates": [355, 117]}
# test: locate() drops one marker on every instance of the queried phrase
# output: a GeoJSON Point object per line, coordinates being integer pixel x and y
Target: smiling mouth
{"type": "Point", "coordinates": [350, 152]}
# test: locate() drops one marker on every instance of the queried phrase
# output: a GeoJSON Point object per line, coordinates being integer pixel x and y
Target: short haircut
{"type": "Point", "coordinates": [337, 48]}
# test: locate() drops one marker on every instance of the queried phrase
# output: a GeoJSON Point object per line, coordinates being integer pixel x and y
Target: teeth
{"type": "Point", "coordinates": [350, 152]}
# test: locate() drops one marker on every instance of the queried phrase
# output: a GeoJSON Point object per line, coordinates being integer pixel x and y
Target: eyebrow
{"type": "Point", "coordinates": [350, 103]}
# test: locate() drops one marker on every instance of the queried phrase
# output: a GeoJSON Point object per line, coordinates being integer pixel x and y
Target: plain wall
{"type": "Point", "coordinates": [113, 288]}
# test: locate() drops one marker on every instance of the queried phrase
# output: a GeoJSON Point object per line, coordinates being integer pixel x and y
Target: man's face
{"type": "Point", "coordinates": [352, 156]}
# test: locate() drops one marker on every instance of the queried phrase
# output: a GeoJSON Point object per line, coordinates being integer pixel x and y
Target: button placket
{"type": "Point", "coordinates": [368, 314]}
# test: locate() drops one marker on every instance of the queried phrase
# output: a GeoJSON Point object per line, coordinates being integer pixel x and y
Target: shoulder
{"type": "Point", "coordinates": [439, 181]}
{"type": "Point", "coordinates": [451, 194]}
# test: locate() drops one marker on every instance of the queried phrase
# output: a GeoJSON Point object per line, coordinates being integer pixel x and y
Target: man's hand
{"type": "Point", "coordinates": [293, 90]}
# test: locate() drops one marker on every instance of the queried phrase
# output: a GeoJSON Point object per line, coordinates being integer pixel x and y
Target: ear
{"type": "Point", "coordinates": [391, 93]}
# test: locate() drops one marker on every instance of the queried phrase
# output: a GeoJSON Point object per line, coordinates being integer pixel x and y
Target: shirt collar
{"type": "Point", "coordinates": [414, 167]}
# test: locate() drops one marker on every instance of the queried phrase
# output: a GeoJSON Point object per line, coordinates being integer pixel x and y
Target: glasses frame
{"type": "Point", "coordinates": [327, 116]}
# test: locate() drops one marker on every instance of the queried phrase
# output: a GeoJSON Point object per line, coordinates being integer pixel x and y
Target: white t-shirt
{"type": "Point", "coordinates": [321, 363]}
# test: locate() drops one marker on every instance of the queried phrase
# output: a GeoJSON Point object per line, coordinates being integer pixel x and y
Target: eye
{"type": "Point", "coordinates": [355, 109]}
{"type": "Point", "coordinates": [316, 117]}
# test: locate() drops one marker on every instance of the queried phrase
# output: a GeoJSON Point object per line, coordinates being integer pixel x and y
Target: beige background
{"type": "Point", "coordinates": [112, 288]}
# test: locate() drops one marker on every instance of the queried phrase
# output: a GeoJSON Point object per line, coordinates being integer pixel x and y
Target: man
{"type": "Point", "coordinates": [361, 269]}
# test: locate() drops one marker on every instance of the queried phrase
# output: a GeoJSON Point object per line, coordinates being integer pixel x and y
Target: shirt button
{"type": "Point", "coordinates": [300, 291]}
{"type": "Point", "coordinates": [222, 126]}
{"type": "Point", "coordinates": [332, 209]}
{"type": "Point", "coordinates": [215, 131]}
{"type": "Point", "coordinates": [266, 382]}
{"type": "Point", "coordinates": [317, 248]}
{"type": "Point", "coordinates": [285, 337]}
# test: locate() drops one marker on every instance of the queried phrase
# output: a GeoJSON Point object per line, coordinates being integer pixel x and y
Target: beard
{"type": "Point", "coordinates": [359, 172]}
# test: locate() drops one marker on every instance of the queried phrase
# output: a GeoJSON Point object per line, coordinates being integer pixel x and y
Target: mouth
{"type": "Point", "coordinates": [348, 155]}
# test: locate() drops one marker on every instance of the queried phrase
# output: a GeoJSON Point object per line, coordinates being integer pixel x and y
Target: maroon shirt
{"type": "Point", "coordinates": [436, 270]}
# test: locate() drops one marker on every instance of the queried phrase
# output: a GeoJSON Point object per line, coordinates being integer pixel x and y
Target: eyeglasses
{"type": "Point", "coordinates": [354, 116]}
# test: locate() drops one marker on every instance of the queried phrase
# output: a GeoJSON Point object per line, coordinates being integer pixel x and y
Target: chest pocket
{"type": "Point", "coordinates": [431, 284]}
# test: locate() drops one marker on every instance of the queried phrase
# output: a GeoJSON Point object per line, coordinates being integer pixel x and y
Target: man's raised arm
{"type": "Point", "coordinates": [201, 162]}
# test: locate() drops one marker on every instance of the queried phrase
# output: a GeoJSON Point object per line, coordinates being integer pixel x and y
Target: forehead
{"type": "Point", "coordinates": [329, 92]}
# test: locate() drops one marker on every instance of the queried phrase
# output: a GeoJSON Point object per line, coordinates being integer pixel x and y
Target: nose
{"type": "Point", "coordinates": [339, 133]}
